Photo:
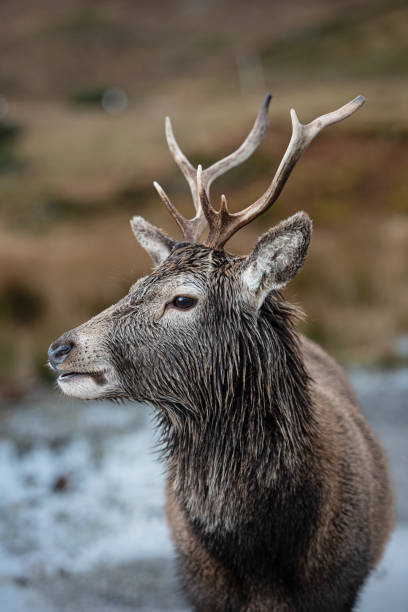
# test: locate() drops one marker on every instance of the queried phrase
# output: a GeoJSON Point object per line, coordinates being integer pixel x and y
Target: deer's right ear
{"type": "Point", "coordinates": [152, 239]}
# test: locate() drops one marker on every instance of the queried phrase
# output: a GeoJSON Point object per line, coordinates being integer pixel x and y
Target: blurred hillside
{"type": "Point", "coordinates": [77, 162]}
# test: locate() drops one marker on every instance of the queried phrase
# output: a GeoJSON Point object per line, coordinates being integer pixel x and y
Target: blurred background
{"type": "Point", "coordinates": [84, 89]}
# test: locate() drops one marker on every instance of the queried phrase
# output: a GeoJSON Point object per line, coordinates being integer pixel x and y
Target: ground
{"type": "Point", "coordinates": [81, 518]}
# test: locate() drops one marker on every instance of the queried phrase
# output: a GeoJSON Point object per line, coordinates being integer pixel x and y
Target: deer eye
{"type": "Point", "coordinates": [183, 302]}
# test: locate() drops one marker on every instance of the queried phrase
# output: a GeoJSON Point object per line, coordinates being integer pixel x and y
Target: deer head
{"type": "Point", "coordinates": [183, 336]}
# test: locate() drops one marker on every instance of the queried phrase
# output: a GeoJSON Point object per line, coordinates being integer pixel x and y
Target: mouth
{"type": "Point", "coordinates": [92, 384]}
{"type": "Point", "coordinates": [98, 377]}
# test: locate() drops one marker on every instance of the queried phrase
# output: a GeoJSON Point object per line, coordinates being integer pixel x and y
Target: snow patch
{"type": "Point", "coordinates": [91, 496]}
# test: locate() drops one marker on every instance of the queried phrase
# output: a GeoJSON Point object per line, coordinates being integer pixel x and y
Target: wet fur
{"type": "Point", "coordinates": [285, 507]}
{"type": "Point", "coordinates": [278, 495]}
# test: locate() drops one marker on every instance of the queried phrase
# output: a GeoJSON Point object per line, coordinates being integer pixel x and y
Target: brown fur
{"type": "Point", "coordinates": [355, 503]}
{"type": "Point", "coordinates": [278, 494]}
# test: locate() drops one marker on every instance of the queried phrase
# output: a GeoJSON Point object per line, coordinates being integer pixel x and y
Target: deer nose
{"type": "Point", "coordinates": [58, 352]}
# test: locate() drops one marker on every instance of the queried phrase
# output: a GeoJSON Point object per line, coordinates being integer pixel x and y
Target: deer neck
{"type": "Point", "coordinates": [251, 438]}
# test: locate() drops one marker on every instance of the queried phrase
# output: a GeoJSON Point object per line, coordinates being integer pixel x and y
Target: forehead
{"type": "Point", "coordinates": [187, 263]}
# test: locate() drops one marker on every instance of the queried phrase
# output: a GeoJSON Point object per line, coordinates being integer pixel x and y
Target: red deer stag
{"type": "Point", "coordinates": [278, 495]}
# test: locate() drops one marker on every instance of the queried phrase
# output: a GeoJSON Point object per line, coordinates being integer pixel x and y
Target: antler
{"type": "Point", "coordinates": [223, 224]}
{"type": "Point", "coordinates": [193, 228]}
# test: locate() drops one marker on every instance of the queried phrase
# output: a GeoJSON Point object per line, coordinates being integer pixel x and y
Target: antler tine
{"type": "Point", "coordinates": [187, 226]}
{"type": "Point", "coordinates": [183, 163]}
{"type": "Point", "coordinates": [250, 144]}
{"type": "Point", "coordinates": [215, 219]}
{"type": "Point", "coordinates": [196, 226]}
{"type": "Point", "coordinates": [302, 136]}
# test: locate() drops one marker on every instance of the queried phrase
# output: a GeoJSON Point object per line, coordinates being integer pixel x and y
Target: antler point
{"type": "Point", "coordinates": [295, 119]}
{"type": "Point", "coordinates": [360, 100]}
{"type": "Point", "coordinates": [267, 100]}
{"type": "Point", "coordinates": [224, 206]}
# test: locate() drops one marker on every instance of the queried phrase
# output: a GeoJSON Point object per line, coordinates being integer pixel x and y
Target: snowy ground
{"type": "Point", "coordinates": [81, 519]}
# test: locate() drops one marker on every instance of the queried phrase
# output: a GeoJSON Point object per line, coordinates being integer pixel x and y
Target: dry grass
{"type": "Point", "coordinates": [64, 234]}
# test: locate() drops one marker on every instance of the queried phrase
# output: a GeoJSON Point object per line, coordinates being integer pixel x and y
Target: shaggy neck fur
{"type": "Point", "coordinates": [249, 444]}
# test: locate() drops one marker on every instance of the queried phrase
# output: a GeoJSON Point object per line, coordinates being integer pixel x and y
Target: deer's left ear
{"type": "Point", "coordinates": [277, 256]}
{"type": "Point", "coordinates": [152, 239]}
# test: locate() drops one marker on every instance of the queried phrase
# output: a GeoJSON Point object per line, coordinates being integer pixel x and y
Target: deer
{"type": "Point", "coordinates": [278, 495]}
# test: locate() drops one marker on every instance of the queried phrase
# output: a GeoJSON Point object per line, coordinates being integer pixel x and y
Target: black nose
{"type": "Point", "coordinates": [58, 351]}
